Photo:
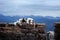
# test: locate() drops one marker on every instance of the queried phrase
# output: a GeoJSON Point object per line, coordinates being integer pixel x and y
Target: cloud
{"type": "Point", "coordinates": [30, 7]}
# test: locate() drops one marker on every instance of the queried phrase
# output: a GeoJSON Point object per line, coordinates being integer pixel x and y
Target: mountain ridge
{"type": "Point", "coordinates": [48, 20]}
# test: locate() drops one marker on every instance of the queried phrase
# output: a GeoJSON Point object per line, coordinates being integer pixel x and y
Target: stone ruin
{"type": "Point", "coordinates": [22, 30]}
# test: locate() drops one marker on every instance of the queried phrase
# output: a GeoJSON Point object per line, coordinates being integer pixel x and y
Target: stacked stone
{"type": "Point", "coordinates": [57, 31]}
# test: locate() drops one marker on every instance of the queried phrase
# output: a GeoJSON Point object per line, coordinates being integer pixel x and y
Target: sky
{"type": "Point", "coordinates": [30, 7]}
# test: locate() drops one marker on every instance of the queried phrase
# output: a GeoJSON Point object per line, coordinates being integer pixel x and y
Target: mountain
{"type": "Point", "coordinates": [48, 20]}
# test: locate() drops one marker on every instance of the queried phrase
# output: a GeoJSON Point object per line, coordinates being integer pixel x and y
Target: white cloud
{"type": "Point", "coordinates": [23, 2]}
{"type": "Point", "coordinates": [52, 2]}
{"type": "Point", "coordinates": [30, 7]}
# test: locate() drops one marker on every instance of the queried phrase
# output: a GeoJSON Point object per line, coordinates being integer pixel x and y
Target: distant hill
{"type": "Point", "coordinates": [38, 19]}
